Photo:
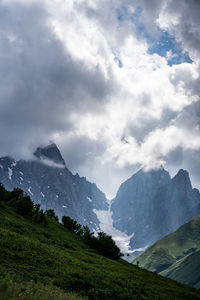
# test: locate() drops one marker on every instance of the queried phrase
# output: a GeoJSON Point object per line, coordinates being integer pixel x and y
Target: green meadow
{"type": "Point", "coordinates": [48, 261]}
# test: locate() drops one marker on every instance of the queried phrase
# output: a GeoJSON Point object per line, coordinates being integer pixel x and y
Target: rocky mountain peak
{"type": "Point", "coordinates": [153, 176]}
{"type": "Point", "coordinates": [150, 205]}
{"type": "Point", "coordinates": [49, 183]}
{"type": "Point", "coordinates": [182, 179]}
{"type": "Point", "coordinates": [50, 152]}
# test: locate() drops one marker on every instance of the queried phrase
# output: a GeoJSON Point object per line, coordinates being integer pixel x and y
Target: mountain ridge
{"type": "Point", "coordinates": [148, 205]}
{"type": "Point", "coordinates": [151, 204]}
{"type": "Point", "coordinates": [50, 183]}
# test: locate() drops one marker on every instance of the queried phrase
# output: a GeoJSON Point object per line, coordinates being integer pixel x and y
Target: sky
{"type": "Point", "coordinates": [115, 84]}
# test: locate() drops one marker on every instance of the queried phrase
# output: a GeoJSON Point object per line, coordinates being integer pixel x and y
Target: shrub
{"type": "Point", "coordinates": [106, 246]}
{"type": "Point", "coordinates": [103, 243]}
{"type": "Point", "coordinates": [51, 214]}
{"type": "Point", "coordinates": [16, 193]}
{"type": "Point", "coordinates": [71, 225]}
{"type": "Point", "coordinates": [88, 237]}
{"type": "Point", "coordinates": [3, 193]}
{"type": "Point", "coordinates": [39, 216]}
{"type": "Point", "coordinates": [23, 205]}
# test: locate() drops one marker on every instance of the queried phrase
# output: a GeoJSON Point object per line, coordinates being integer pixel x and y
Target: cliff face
{"type": "Point", "coordinates": [48, 182]}
{"type": "Point", "coordinates": [151, 205]}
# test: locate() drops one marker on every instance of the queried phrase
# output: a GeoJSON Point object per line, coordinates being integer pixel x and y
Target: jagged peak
{"type": "Point", "coordinates": [183, 172]}
{"type": "Point", "coordinates": [50, 153]}
{"type": "Point", "coordinates": [182, 177]}
{"type": "Point", "coordinates": [159, 174]}
{"type": "Point", "coordinates": [152, 171]}
{"type": "Point", "coordinates": [7, 159]}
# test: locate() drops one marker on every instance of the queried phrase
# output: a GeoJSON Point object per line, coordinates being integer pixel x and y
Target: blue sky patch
{"type": "Point", "coordinates": [163, 44]}
{"type": "Point", "coordinates": [166, 46]}
{"type": "Point", "coordinates": [118, 61]}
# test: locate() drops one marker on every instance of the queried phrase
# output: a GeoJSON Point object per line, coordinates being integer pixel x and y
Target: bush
{"type": "Point", "coordinates": [103, 243]}
{"type": "Point", "coordinates": [106, 246]}
{"type": "Point", "coordinates": [23, 205]}
{"type": "Point", "coordinates": [51, 214]}
{"type": "Point", "coordinates": [39, 216]}
{"type": "Point", "coordinates": [16, 193]}
{"type": "Point", "coordinates": [71, 225]}
{"type": "Point", "coordinates": [88, 237]}
{"type": "Point", "coordinates": [3, 193]}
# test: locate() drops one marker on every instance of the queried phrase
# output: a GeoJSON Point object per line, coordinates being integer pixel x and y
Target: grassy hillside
{"type": "Point", "coordinates": [35, 258]}
{"type": "Point", "coordinates": [177, 255]}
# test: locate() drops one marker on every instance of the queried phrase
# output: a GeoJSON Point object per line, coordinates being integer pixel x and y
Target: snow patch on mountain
{"type": "Point", "coordinates": [106, 225]}
{"type": "Point", "coordinates": [29, 190]}
{"type": "Point", "coordinates": [10, 173]}
{"type": "Point", "coordinates": [89, 199]}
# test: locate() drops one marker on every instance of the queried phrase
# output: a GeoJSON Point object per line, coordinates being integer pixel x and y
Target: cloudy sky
{"type": "Point", "coordinates": [114, 83]}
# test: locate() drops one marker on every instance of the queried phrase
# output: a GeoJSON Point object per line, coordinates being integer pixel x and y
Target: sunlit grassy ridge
{"type": "Point", "coordinates": [177, 255]}
{"type": "Point", "coordinates": [54, 256]}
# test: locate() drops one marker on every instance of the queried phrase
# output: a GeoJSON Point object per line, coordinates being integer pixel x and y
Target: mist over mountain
{"type": "Point", "coordinates": [151, 205]}
{"type": "Point", "coordinates": [48, 182]}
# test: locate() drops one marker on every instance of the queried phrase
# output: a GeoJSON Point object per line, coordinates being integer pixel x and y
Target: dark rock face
{"type": "Point", "coordinates": [51, 153]}
{"type": "Point", "coordinates": [48, 182]}
{"type": "Point", "coordinates": [152, 205]}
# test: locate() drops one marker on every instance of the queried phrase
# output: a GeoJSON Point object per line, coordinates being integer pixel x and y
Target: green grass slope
{"type": "Point", "coordinates": [34, 259]}
{"type": "Point", "coordinates": [177, 255]}
{"type": "Point", "coordinates": [10, 290]}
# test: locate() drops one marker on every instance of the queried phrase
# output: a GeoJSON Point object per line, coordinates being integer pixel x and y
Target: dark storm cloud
{"type": "Point", "coordinates": [187, 28]}
{"type": "Point", "coordinates": [40, 83]}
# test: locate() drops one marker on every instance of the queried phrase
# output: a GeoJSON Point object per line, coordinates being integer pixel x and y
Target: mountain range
{"type": "Point", "coordinates": [147, 206]}
{"type": "Point", "coordinates": [47, 180]}
{"type": "Point", "coordinates": [150, 205]}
